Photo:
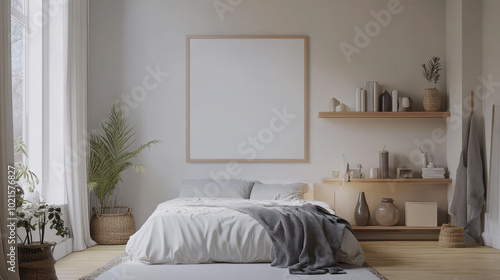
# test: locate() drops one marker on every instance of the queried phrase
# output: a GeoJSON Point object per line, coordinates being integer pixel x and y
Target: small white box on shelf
{"type": "Point", "coordinates": [421, 214]}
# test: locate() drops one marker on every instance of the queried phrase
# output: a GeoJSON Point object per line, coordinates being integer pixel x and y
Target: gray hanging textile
{"type": "Point", "coordinates": [468, 198]}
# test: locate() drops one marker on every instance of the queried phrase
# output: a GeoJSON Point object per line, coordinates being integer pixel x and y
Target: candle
{"type": "Point", "coordinates": [384, 164]}
{"type": "Point", "coordinates": [343, 167]}
{"type": "Point", "coordinates": [424, 159]}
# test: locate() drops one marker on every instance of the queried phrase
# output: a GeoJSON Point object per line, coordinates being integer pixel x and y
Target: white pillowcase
{"type": "Point", "coordinates": [262, 191]}
{"type": "Point", "coordinates": [230, 188]}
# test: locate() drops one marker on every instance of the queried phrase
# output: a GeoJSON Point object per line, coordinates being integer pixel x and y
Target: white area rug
{"type": "Point", "coordinates": [115, 270]}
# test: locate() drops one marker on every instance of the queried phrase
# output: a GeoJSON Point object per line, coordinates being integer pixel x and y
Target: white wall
{"type": "Point", "coordinates": [126, 36]}
{"type": "Point", "coordinates": [454, 61]}
{"type": "Point", "coordinates": [491, 57]}
{"type": "Point", "coordinates": [463, 57]}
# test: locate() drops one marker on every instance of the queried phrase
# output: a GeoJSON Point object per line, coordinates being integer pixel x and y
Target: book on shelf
{"type": "Point", "coordinates": [369, 96]}
{"type": "Point", "coordinates": [433, 173]}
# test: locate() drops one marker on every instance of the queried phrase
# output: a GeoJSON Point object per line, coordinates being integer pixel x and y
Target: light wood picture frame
{"type": "Point", "coordinates": [241, 94]}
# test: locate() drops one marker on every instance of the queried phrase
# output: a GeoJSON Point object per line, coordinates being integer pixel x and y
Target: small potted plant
{"type": "Point", "coordinates": [35, 254]}
{"type": "Point", "coordinates": [109, 157]}
{"type": "Point", "coordinates": [430, 71]}
{"type": "Point", "coordinates": [35, 257]}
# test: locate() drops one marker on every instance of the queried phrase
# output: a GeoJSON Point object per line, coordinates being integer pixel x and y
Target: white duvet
{"type": "Point", "coordinates": [202, 230]}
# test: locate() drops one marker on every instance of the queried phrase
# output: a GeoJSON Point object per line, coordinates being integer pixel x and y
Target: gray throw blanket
{"type": "Point", "coordinates": [305, 237]}
{"type": "Point", "coordinates": [468, 198]}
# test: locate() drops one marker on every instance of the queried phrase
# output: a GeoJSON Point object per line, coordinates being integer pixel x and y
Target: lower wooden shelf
{"type": "Point", "coordinates": [417, 181]}
{"type": "Point", "coordinates": [392, 228]}
{"type": "Point", "coordinates": [382, 233]}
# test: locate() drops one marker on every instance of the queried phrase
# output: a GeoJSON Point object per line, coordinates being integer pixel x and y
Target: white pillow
{"type": "Point", "coordinates": [230, 188]}
{"type": "Point", "coordinates": [262, 191]}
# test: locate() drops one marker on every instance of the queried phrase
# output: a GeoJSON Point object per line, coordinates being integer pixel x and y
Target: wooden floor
{"type": "Point", "coordinates": [78, 264]}
{"type": "Point", "coordinates": [426, 260]}
{"type": "Point", "coordinates": [393, 259]}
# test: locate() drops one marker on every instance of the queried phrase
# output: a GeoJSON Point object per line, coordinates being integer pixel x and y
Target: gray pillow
{"type": "Point", "coordinates": [230, 188]}
{"type": "Point", "coordinates": [277, 191]}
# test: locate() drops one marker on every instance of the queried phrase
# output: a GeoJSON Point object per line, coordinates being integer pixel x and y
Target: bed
{"type": "Point", "coordinates": [202, 225]}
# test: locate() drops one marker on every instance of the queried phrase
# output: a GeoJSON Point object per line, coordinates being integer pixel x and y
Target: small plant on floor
{"type": "Point", "coordinates": [37, 215]}
{"type": "Point", "coordinates": [33, 215]}
{"type": "Point", "coordinates": [35, 257]}
{"type": "Point", "coordinates": [110, 156]}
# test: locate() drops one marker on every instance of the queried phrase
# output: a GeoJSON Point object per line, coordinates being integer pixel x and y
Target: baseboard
{"type": "Point", "coordinates": [63, 248]}
{"type": "Point", "coordinates": [491, 240]}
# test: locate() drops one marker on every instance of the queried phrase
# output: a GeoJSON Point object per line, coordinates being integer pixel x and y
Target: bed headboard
{"type": "Point", "coordinates": [309, 192]}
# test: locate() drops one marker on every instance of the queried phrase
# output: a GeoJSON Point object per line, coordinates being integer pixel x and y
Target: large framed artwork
{"type": "Point", "coordinates": [247, 99]}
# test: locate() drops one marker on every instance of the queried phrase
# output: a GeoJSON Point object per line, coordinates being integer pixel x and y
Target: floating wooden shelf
{"type": "Point", "coordinates": [375, 233]}
{"type": "Point", "coordinates": [393, 228]}
{"type": "Point", "coordinates": [374, 115]}
{"type": "Point", "coordinates": [394, 181]}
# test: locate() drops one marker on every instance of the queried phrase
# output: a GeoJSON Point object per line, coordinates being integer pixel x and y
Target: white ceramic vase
{"type": "Point", "coordinates": [387, 214]}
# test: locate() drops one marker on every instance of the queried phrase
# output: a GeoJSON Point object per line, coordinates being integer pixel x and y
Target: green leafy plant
{"type": "Point", "coordinates": [23, 171]}
{"type": "Point", "coordinates": [109, 155]}
{"type": "Point", "coordinates": [32, 216]}
{"type": "Point", "coordinates": [431, 69]}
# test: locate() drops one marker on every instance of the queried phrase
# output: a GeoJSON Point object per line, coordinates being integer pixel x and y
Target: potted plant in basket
{"type": "Point", "coordinates": [35, 256]}
{"type": "Point", "coordinates": [430, 71]}
{"type": "Point", "coordinates": [109, 157]}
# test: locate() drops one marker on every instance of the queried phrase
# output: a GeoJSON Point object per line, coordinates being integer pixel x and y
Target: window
{"type": "Point", "coordinates": [18, 48]}
{"type": "Point", "coordinates": [37, 90]}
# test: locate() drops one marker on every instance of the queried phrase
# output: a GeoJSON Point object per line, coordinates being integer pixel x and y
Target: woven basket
{"type": "Point", "coordinates": [36, 261]}
{"type": "Point", "coordinates": [112, 229]}
{"type": "Point", "coordinates": [432, 100]}
{"type": "Point", "coordinates": [451, 236]}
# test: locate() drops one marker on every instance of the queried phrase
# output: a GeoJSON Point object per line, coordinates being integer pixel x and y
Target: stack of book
{"type": "Point", "coordinates": [433, 173]}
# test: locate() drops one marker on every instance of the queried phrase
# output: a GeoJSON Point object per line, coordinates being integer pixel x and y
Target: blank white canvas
{"type": "Point", "coordinates": [235, 88]}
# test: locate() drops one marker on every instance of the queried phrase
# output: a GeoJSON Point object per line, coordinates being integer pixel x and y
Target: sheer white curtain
{"type": "Point", "coordinates": [491, 233]}
{"type": "Point", "coordinates": [75, 122]}
{"type": "Point", "coordinates": [6, 141]}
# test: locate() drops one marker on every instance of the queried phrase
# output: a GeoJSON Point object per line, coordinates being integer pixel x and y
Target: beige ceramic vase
{"type": "Point", "coordinates": [432, 100]}
{"type": "Point", "coordinates": [387, 214]}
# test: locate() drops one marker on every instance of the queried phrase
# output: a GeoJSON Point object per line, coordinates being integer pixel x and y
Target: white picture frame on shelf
{"type": "Point", "coordinates": [405, 173]}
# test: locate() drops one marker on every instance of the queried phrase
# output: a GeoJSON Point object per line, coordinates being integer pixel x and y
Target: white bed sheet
{"type": "Point", "coordinates": [178, 233]}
